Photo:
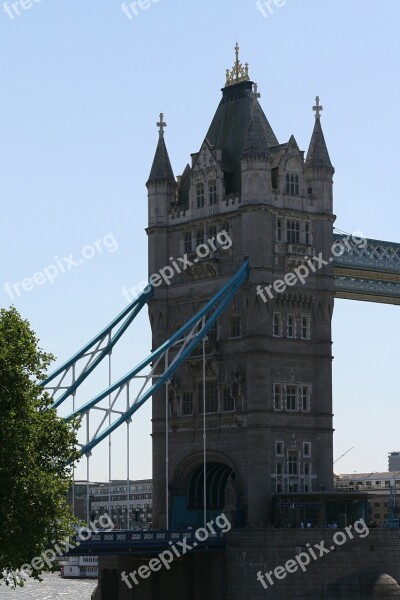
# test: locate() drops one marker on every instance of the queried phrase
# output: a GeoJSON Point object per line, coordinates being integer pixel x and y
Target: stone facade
{"type": "Point", "coordinates": [362, 568]}
{"type": "Point", "coordinates": [268, 364]}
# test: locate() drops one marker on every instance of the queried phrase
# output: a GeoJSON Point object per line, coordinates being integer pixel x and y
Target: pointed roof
{"type": "Point", "coordinates": [256, 143]}
{"type": "Point", "coordinates": [161, 169]}
{"type": "Point", "coordinates": [230, 127]}
{"type": "Point", "coordinates": [318, 155]}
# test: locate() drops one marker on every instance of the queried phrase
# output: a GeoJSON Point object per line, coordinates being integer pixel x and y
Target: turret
{"type": "Point", "coordinates": [256, 164]}
{"type": "Point", "coordinates": [319, 168]}
{"type": "Point", "coordinates": [161, 184]}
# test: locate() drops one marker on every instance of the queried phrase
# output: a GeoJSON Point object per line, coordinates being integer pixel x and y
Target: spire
{"type": "Point", "coordinates": [317, 155]}
{"type": "Point", "coordinates": [161, 169]}
{"type": "Point", "coordinates": [239, 72]}
{"type": "Point", "coordinates": [256, 142]}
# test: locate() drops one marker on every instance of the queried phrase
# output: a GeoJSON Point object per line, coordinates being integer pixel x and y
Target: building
{"type": "Point", "coordinates": [268, 360]}
{"type": "Point", "coordinates": [394, 461]}
{"type": "Point", "coordinates": [125, 513]}
{"type": "Point", "coordinates": [135, 511]}
{"type": "Point", "coordinates": [382, 489]}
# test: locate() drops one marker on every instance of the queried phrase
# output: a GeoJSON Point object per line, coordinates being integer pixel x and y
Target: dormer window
{"type": "Point", "coordinates": [212, 190]}
{"type": "Point", "coordinates": [200, 195]}
{"type": "Point", "coordinates": [292, 184]}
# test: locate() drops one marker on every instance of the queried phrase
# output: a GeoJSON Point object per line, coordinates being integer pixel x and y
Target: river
{"type": "Point", "coordinates": [52, 588]}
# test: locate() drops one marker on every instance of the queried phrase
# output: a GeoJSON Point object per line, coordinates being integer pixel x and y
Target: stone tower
{"type": "Point", "coordinates": [268, 361]}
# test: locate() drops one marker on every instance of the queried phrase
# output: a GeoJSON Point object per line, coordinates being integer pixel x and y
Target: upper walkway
{"type": "Point", "coordinates": [370, 274]}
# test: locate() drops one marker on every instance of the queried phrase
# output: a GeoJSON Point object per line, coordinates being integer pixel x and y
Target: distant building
{"type": "Point", "coordinates": [114, 501]}
{"type": "Point", "coordinates": [383, 489]}
{"type": "Point", "coordinates": [394, 461]}
{"type": "Point", "coordinates": [138, 507]}
{"type": "Point", "coordinates": [77, 497]}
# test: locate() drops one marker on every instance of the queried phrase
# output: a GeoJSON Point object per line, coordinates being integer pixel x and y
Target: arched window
{"type": "Point", "coordinates": [212, 190]}
{"type": "Point", "coordinates": [200, 195]}
{"type": "Point", "coordinates": [291, 326]}
{"type": "Point", "coordinates": [277, 325]}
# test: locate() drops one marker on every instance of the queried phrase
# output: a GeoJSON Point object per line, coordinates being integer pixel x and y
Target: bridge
{"type": "Point", "coordinates": [241, 387]}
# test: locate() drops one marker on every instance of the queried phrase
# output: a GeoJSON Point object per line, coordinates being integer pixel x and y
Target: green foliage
{"type": "Point", "coordinates": [35, 445]}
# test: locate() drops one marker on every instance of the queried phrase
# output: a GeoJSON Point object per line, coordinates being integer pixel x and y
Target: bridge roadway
{"type": "Point", "coordinates": [121, 542]}
{"type": "Point", "coordinates": [370, 274]}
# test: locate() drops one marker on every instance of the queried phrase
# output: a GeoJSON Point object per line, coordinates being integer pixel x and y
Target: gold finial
{"type": "Point", "coordinates": [239, 72]}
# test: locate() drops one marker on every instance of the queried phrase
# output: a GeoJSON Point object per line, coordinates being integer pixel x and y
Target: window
{"type": "Point", "coordinates": [200, 195]}
{"type": "Point", "coordinates": [211, 397]}
{"type": "Point", "coordinates": [278, 230]}
{"type": "Point", "coordinates": [307, 234]}
{"type": "Point", "coordinates": [291, 326]}
{"type": "Point", "coordinates": [229, 400]}
{"type": "Point", "coordinates": [277, 396]}
{"type": "Point", "coordinates": [279, 469]}
{"type": "Point", "coordinates": [305, 398]}
{"type": "Point", "coordinates": [213, 232]}
{"type": "Point", "coordinates": [187, 403]}
{"type": "Point", "coordinates": [187, 242]}
{"type": "Point", "coordinates": [199, 237]}
{"type": "Point", "coordinates": [307, 469]}
{"type": "Point", "coordinates": [212, 189]}
{"type": "Point", "coordinates": [292, 462]}
{"type": "Point", "coordinates": [293, 232]}
{"type": "Point", "coordinates": [291, 397]}
{"type": "Point", "coordinates": [235, 327]}
{"type": "Point", "coordinates": [279, 448]}
{"type": "Point", "coordinates": [292, 184]}
{"type": "Point", "coordinates": [377, 504]}
{"type": "Point", "coordinates": [212, 335]}
{"type": "Point", "coordinates": [305, 327]}
{"type": "Point", "coordinates": [307, 449]}
{"type": "Point", "coordinates": [277, 324]}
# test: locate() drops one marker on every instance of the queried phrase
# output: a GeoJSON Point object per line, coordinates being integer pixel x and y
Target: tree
{"type": "Point", "coordinates": [35, 446]}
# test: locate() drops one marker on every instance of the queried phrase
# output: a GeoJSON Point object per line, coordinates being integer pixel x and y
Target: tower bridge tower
{"type": "Point", "coordinates": [268, 361]}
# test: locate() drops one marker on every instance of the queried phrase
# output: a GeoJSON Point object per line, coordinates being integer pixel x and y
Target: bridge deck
{"type": "Point", "coordinates": [145, 542]}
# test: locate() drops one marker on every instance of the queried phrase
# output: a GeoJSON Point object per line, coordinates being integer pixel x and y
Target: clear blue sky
{"type": "Point", "coordinates": [82, 89]}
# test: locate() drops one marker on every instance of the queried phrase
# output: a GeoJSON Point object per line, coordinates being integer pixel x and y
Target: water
{"type": "Point", "coordinates": [52, 588]}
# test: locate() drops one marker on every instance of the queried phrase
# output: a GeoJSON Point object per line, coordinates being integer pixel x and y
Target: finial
{"type": "Point", "coordinates": [161, 124]}
{"type": "Point", "coordinates": [239, 72]}
{"type": "Point", "coordinates": [255, 93]}
{"type": "Point", "coordinates": [317, 108]}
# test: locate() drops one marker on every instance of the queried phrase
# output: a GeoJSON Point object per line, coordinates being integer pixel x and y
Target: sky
{"type": "Point", "coordinates": [83, 84]}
